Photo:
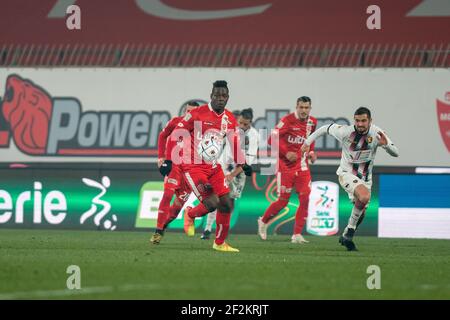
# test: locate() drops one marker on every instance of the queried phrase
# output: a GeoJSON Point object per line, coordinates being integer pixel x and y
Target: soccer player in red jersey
{"type": "Point", "coordinates": [174, 183]}
{"type": "Point", "coordinates": [207, 180]}
{"type": "Point", "coordinates": [293, 168]}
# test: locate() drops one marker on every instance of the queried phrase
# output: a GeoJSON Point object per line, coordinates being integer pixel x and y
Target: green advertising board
{"type": "Point", "coordinates": [127, 199]}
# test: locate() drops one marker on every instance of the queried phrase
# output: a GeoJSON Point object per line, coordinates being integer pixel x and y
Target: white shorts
{"type": "Point", "coordinates": [349, 182]}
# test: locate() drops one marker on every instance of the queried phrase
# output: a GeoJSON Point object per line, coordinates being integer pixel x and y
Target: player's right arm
{"type": "Point", "coordinates": [335, 130]}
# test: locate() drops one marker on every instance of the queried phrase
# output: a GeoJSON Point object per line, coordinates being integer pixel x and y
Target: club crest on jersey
{"type": "Point", "coordinates": [224, 125]}
{"type": "Point", "coordinates": [369, 139]}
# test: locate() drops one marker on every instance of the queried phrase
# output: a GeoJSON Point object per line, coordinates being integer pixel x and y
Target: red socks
{"type": "Point", "coordinates": [174, 210]}
{"type": "Point", "coordinates": [222, 226]}
{"type": "Point", "coordinates": [301, 214]}
{"type": "Point", "coordinates": [273, 209]}
{"type": "Point", "coordinates": [163, 210]}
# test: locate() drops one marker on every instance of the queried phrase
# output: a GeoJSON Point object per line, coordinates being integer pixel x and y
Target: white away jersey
{"type": "Point", "coordinates": [249, 144]}
{"type": "Point", "coordinates": [358, 150]}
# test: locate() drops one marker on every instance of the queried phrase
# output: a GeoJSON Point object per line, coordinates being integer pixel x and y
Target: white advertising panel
{"type": "Point", "coordinates": [115, 115]}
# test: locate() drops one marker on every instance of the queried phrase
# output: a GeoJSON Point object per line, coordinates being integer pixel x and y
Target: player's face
{"type": "Point", "coordinates": [362, 123]}
{"type": "Point", "coordinates": [303, 109]}
{"type": "Point", "coordinates": [219, 98]}
{"type": "Point", "coordinates": [243, 123]}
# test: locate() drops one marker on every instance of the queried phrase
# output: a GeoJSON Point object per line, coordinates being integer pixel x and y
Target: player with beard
{"type": "Point", "coordinates": [359, 146]}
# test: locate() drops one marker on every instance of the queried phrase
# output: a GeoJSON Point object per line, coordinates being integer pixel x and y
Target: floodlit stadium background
{"type": "Point", "coordinates": [134, 64]}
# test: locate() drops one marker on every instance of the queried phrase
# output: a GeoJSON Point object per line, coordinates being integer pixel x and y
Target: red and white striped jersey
{"type": "Point", "coordinates": [358, 150]}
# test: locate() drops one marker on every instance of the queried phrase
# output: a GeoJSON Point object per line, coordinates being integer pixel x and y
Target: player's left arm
{"type": "Point", "coordinates": [386, 143]}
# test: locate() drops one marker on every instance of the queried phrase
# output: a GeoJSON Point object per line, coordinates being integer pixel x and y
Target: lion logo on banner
{"type": "Point", "coordinates": [27, 109]}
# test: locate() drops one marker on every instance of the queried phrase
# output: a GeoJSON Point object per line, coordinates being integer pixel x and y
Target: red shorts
{"type": "Point", "coordinates": [287, 180]}
{"type": "Point", "coordinates": [205, 180]}
{"type": "Point", "coordinates": [175, 182]}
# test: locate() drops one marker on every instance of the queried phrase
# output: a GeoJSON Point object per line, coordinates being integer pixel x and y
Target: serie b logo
{"type": "Point", "coordinates": [443, 114]}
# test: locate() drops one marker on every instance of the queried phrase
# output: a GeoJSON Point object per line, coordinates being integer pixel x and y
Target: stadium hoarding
{"type": "Point", "coordinates": [323, 213]}
{"type": "Point", "coordinates": [187, 22]}
{"type": "Point", "coordinates": [414, 206]}
{"type": "Point", "coordinates": [115, 115]}
{"type": "Point", "coordinates": [126, 198]}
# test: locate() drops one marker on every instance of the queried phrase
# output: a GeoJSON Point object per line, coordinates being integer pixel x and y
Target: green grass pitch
{"type": "Point", "coordinates": [124, 265]}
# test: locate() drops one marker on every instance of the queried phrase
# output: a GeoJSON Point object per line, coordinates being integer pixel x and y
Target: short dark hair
{"type": "Point", "coordinates": [192, 103]}
{"type": "Point", "coordinates": [247, 114]}
{"type": "Point", "coordinates": [220, 84]}
{"type": "Point", "coordinates": [363, 110]}
{"type": "Point", "coordinates": [304, 99]}
{"type": "Point", "coordinates": [236, 113]}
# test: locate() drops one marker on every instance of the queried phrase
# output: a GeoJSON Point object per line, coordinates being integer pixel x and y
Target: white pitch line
{"type": "Point", "coordinates": [40, 294]}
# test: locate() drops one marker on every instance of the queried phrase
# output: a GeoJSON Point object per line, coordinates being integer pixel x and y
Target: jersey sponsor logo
{"type": "Point", "coordinates": [443, 115]}
{"type": "Point", "coordinates": [296, 139]}
{"type": "Point", "coordinates": [57, 126]}
{"type": "Point", "coordinates": [360, 156]}
{"type": "Point", "coordinates": [224, 124]}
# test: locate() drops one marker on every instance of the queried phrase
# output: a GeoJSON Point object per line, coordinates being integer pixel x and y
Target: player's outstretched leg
{"type": "Point", "coordinates": [362, 196]}
{"type": "Point", "coordinates": [223, 218]}
{"type": "Point", "coordinates": [346, 239]}
{"type": "Point", "coordinates": [271, 212]}
{"type": "Point", "coordinates": [199, 211]}
{"type": "Point", "coordinates": [163, 213]}
{"type": "Point", "coordinates": [300, 218]}
{"type": "Point", "coordinates": [173, 214]}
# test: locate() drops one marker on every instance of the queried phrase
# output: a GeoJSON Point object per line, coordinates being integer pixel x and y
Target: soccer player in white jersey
{"type": "Point", "coordinates": [235, 177]}
{"type": "Point", "coordinates": [359, 146]}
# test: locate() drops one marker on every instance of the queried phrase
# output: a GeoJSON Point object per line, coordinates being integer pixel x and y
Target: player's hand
{"type": "Point", "coordinates": [382, 139]}
{"type": "Point", "coordinates": [229, 177]}
{"type": "Point", "coordinates": [166, 167]}
{"type": "Point", "coordinates": [305, 148]}
{"type": "Point", "coordinates": [248, 170]}
{"type": "Point", "coordinates": [161, 161]}
{"type": "Point", "coordinates": [312, 156]}
{"type": "Point", "coordinates": [291, 156]}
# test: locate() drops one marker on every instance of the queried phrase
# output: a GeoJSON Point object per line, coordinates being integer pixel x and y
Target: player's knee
{"type": "Point", "coordinates": [211, 204]}
{"type": "Point", "coordinates": [282, 202]}
{"type": "Point", "coordinates": [225, 205]}
{"type": "Point", "coordinates": [364, 199]}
